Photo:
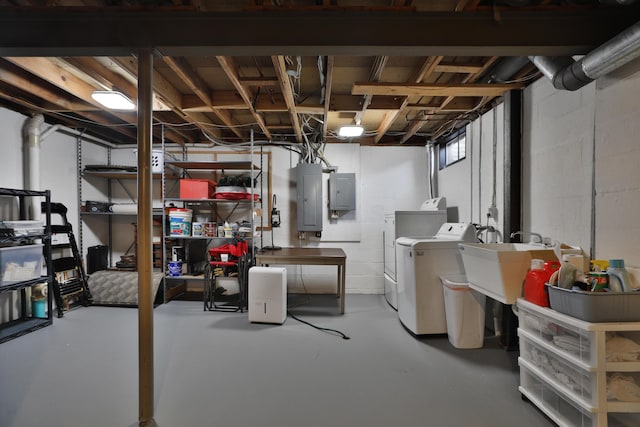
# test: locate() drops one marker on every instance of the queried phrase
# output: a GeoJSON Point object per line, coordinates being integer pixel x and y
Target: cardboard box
{"type": "Point", "coordinates": [197, 189]}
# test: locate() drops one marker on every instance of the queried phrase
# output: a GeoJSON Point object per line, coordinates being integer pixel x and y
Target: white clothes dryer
{"type": "Point", "coordinates": [421, 262]}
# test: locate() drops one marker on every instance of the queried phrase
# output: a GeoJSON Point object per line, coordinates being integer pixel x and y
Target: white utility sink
{"type": "Point", "coordinates": [498, 269]}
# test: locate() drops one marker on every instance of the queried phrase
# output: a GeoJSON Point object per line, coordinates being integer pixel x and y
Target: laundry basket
{"type": "Point", "coordinates": [157, 160]}
{"type": "Point", "coordinates": [464, 312]}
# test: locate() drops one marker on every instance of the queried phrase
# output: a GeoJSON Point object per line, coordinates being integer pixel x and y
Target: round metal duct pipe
{"type": "Point", "coordinates": [567, 74]}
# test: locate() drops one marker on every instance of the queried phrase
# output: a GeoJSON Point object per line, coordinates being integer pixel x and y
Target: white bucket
{"type": "Point", "coordinates": [180, 222]}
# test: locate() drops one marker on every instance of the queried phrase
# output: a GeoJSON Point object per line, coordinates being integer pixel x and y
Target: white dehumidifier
{"type": "Point", "coordinates": [267, 294]}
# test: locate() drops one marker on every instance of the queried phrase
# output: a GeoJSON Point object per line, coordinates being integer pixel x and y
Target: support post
{"type": "Point", "coordinates": [145, 235]}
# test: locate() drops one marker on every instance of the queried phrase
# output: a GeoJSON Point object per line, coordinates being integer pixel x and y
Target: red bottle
{"type": "Point", "coordinates": [535, 290]}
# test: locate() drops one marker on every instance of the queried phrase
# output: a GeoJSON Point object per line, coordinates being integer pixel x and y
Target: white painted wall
{"type": "Point", "coordinates": [557, 162]}
{"type": "Point", "coordinates": [387, 179]}
{"type": "Point", "coordinates": [564, 192]}
{"type": "Point", "coordinates": [474, 184]}
{"type": "Point", "coordinates": [617, 160]}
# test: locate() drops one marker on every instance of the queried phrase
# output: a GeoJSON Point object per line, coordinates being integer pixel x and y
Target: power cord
{"type": "Point", "coordinates": [335, 331]}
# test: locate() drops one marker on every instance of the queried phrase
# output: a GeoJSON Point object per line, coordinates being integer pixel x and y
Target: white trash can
{"type": "Point", "coordinates": [464, 312]}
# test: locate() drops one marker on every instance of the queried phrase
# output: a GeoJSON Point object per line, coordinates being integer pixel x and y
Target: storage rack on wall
{"type": "Point", "coordinates": [26, 321]}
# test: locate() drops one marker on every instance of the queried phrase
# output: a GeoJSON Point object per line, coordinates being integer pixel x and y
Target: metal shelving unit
{"type": "Point", "coordinates": [225, 210]}
{"type": "Point", "coordinates": [26, 322]}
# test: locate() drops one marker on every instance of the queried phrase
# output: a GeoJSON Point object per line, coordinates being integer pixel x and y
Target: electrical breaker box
{"type": "Point", "coordinates": [309, 196]}
{"type": "Point", "coordinates": [342, 191]}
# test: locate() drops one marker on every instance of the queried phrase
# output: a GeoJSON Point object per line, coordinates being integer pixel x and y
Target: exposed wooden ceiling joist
{"type": "Point", "coordinates": [424, 89]}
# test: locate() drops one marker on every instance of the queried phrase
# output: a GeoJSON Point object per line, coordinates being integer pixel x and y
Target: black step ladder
{"type": "Point", "coordinates": [70, 287]}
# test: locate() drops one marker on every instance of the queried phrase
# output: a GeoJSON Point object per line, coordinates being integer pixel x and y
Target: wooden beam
{"type": "Point", "coordinates": [228, 65]}
{"type": "Point", "coordinates": [416, 126]}
{"type": "Point", "coordinates": [328, 93]}
{"type": "Point", "coordinates": [11, 75]}
{"type": "Point", "coordinates": [458, 104]}
{"type": "Point", "coordinates": [424, 69]}
{"type": "Point", "coordinates": [116, 32]}
{"type": "Point", "coordinates": [351, 103]}
{"type": "Point", "coordinates": [171, 96]}
{"type": "Point", "coordinates": [423, 89]}
{"type": "Point", "coordinates": [287, 91]}
{"type": "Point", "coordinates": [458, 68]}
{"type": "Point", "coordinates": [374, 75]}
{"type": "Point", "coordinates": [187, 74]}
{"type": "Point", "coordinates": [259, 81]}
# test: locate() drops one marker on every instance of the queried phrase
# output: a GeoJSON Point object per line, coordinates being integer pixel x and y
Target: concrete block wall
{"type": "Point", "coordinates": [558, 162]}
{"type": "Point", "coordinates": [617, 160]}
{"type": "Point", "coordinates": [581, 182]}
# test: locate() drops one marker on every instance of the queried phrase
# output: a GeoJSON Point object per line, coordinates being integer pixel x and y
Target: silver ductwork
{"type": "Point", "coordinates": [433, 170]}
{"type": "Point", "coordinates": [567, 74]}
{"type": "Point", "coordinates": [32, 139]}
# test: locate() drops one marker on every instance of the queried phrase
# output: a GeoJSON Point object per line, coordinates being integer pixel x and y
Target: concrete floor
{"type": "Point", "coordinates": [217, 368]}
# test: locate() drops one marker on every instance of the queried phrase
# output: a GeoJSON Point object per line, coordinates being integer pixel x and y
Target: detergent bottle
{"type": "Point", "coordinates": [535, 280]}
{"type": "Point", "coordinates": [619, 280]}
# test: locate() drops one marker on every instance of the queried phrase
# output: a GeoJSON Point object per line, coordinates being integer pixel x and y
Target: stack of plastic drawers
{"type": "Point", "coordinates": [579, 373]}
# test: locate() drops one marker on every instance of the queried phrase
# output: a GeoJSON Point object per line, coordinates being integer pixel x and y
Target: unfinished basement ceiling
{"type": "Point", "coordinates": [229, 71]}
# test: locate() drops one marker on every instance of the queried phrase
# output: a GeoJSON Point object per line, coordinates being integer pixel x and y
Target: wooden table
{"type": "Point", "coordinates": [309, 256]}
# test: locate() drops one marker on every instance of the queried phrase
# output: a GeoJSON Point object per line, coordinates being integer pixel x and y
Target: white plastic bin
{"type": "Point", "coordinates": [464, 312]}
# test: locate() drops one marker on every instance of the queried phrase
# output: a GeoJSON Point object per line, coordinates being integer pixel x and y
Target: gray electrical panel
{"type": "Point", "coordinates": [309, 189]}
{"type": "Point", "coordinates": [342, 191]}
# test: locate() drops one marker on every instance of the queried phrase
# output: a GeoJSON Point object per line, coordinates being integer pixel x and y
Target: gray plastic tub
{"type": "Point", "coordinates": [596, 307]}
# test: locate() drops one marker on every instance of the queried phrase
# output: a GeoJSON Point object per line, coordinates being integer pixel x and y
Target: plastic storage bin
{"type": "Point", "coordinates": [19, 263]}
{"type": "Point", "coordinates": [464, 312]}
{"type": "Point", "coordinates": [561, 410]}
{"type": "Point", "coordinates": [578, 383]}
{"type": "Point", "coordinates": [596, 307]}
{"type": "Point", "coordinates": [564, 337]}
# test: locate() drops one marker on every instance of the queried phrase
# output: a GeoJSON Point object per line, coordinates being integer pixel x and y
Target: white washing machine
{"type": "Point", "coordinates": [421, 262]}
{"type": "Point", "coordinates": [424, 222]}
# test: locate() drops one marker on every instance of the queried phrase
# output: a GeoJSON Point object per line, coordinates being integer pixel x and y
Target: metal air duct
{"type": "Point", "coordinates": [567, 74]}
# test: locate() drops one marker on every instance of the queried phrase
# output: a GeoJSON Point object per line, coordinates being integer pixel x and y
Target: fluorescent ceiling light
{"type": "Point", "coordinates": [113, 100]}
{"type": "Point", "coordinates": [350, 131]}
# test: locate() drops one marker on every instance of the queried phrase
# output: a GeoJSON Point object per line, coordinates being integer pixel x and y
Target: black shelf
{"type": "Point", "coordinates": [26, 323]}
{"type": "Point", "coordinates": [19, 327]}
{"type": "Point", "coordinates": [23, 284]}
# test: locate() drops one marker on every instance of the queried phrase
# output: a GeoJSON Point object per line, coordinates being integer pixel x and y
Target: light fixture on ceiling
{"type": "Point", "coordinates": [113, 100]}
{"type": "Point", "coordinates": [350, 131]}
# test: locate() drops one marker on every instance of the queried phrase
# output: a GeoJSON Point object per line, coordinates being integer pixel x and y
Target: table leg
{"type": "Point", "coordinates": [342, 282]}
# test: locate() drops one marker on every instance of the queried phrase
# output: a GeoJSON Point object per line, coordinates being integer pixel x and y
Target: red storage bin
{"type": "Point", "coordinates": [197, 189]}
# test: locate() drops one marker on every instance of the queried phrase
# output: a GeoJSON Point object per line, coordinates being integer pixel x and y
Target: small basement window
{"type": "Point", "coordinates": [452, 149]}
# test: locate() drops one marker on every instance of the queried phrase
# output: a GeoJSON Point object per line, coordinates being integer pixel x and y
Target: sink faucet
{"type": "Point", "coordinates": [531, 234]}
